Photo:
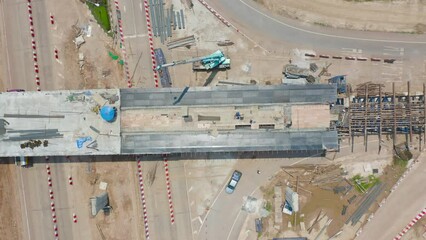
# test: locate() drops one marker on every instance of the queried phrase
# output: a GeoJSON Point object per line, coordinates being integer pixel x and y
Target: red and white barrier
{"type": "Point", "coordinates": [70, 181]}
{"type": "Point", "coordinates": [74, 218]}
{"type": "Point", "coordinates": [123, 48]}
{"type": "Point", "coordinates": [33, 44]}
{"type": "Point", "coordinates": [52, 20]}
{"type": "Point", "coordinates": [169, 191]}
{"type": "Point", "coordinates": [151, 42]}
{"type": "Point", "coordinates": [411, 224]}
{"type": "Point", "coordinates": [52, 203]}
{"type": "Point", "coordinates": [145, 214]}
{"type": "Point", "coordinates": [216, 14]}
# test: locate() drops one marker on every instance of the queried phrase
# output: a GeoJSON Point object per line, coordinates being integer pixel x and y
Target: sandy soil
{"type": "Point", "coordinates": [123, 222]}
{"type": "Point", "coordinates": [99, 70]}
{"type": "Point", "coordinates": [10, 210]}
{"type": "Point", "coordinates": [322, 196]}
{"type": "Point", "coordinates": [393, 16]}
{"type": "Point", "coordinates": [248, 61]}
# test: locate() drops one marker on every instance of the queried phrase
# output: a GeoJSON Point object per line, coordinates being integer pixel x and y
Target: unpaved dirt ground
{"type": "Point", "coordinates": [248, 61]}
{"type": "Point", "coordinates": [124, 219]}
{"type": "Point", "coordinates": [392, 16]}
{"type": "Point", "coordinates": [10, 210]}
{"type": "Point", "coordinates": [318, 195]}
{"type": "Point", "coordinates": [99, 70]}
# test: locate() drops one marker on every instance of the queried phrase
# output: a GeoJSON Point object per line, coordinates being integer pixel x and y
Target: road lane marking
{"type": "Point", "coordinates": [5, 43]}
{"type": "Point", "coordinates": [25, 203]}
{"type": "Point", "coordinates": [187, 198]}
{"type": "Point", "coordinates": [211, 206]}
{"type": "Point", "coordinates": [124, 8]}
{"type": "Point", "coordinates": [135, 36]}
{"type": "Point", "coordinates": [140, 6]}
{"type": "Point", "coordinates": [329, 35]}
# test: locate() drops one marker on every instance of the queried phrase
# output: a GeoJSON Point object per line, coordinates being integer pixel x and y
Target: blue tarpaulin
{"type": "Point", "coordinates": [82, 140]}
{"type": "Point", "coordinates": [108, 113]}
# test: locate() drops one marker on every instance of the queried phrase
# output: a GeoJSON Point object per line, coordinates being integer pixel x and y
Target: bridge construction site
{"type": "Point", "coordinates": [210, 119]}
{"type": "Point", "coordinates": [374, 111]}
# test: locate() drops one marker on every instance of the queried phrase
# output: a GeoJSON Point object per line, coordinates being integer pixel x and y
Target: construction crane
{"type": "Point", "coordinates": [214, 60]}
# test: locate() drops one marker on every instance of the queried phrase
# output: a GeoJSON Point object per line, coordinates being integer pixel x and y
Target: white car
{"type": "Point", "coordinates": [236, 176]}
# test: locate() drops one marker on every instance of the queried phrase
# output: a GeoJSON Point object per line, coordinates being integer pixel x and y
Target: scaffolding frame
{"type": "Point", "coordinates": [373, 112]}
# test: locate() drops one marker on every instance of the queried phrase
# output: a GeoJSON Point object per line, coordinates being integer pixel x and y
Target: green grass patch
{"type": "Point", "coordinates": [101, 14]}
{"type": "Point", "coordinates": [397, 161]}
{"type": "Point", "coordinates": [401, 159]}
{"type": "Point", "coordinates": [363, 184]}
{"type": "Point", "coordinates": [268, 206]}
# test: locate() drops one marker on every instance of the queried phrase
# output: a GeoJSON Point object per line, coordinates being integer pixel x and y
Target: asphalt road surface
{"type": "Point", "coordinates": [35, 202]}
{"type": "Point", "coordinates": [136, 42]}
{"type": "Point", "coordinates": [17, 45]}
{"type": "Point", "coordinates": [225, 219]}
{"type": "Point", "coordinates": [260, 25]}
{"type": "Point", "coordinates": [400, 207]}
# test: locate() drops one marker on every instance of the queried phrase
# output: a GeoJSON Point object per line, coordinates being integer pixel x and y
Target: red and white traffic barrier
{"type": "Point", "coordinates": [145, 214]}
{"type": "Point", "coordinates": [74, 218]}
{"type": "Point", "coordinates": [411, 224]}
{"type": "Point", "coordinates": [52, 203]}
{"type": "Point", "coordinates": [123, 48]}
{"type": "Point", "coordinates": [52, 20]}
{"type": "Point", "coordinates": [70, 180]}
{"type": "Point", "coordinates": [228, 24]}
{"type": "Point", "coordinates": [216, 14]}
{"type": "Point", "coordinates": [151, 42]}
{"type": "Point", "coordinates": [33, 45]}
{"type": "Point", "coordinates": [169, 191]}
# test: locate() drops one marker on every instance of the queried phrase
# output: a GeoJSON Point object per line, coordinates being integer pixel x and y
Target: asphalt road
{"type": "Point", "coordinates": [400, 207]}
{"type": "Point", "coordinates": [157, 201]}
{"type": "Point", "coordinates": [37, 215]}
{"type": "Point", "coordinates": [19, 69]}
{"type": "Point", "coordinates": [225, 219]}
{"type": "Point", "coordinates": [262, 27]}
{"type": "Point", "coordinates": [136, 42]}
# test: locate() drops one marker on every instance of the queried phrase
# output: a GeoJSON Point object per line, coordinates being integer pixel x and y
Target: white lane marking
{"type": "Point", "coordinates": [187, 198]}
{"type": "Point", "coordinates": [7, 49]}
{"type": "Point", "coordinates": [351, 50]}
{"type": "Point", "coordinates": [124, 8]}
{"type": "Point", "coordinates": [211, 206]}
{"type": "Point", "coordinates": [329, 35]}
{"type": "Point", "coordinates": [239, 212]}
{"type": "Point", "coordinates": [140, 6]}
{"type": "Point", "coordinates": [135, 36]}
{"type": "Point", "coordinates": [25, 203]}
{"type": "Point", "coordinates": [190, 189]}
{"type": "Point", "coordinates": [61, 76]}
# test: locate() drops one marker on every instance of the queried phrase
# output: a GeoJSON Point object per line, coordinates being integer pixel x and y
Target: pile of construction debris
{"type": "Point", "coordinates": [325, 200]}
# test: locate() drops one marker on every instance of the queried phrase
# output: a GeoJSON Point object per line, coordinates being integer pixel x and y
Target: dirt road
{"type": "Point", "coordinates": [390, 16]}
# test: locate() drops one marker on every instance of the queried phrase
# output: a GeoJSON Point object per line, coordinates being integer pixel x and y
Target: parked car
{"type": "Point", "coordinates": [236, 176]}
{"type": "Point", "coordinates": [15, 90]}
